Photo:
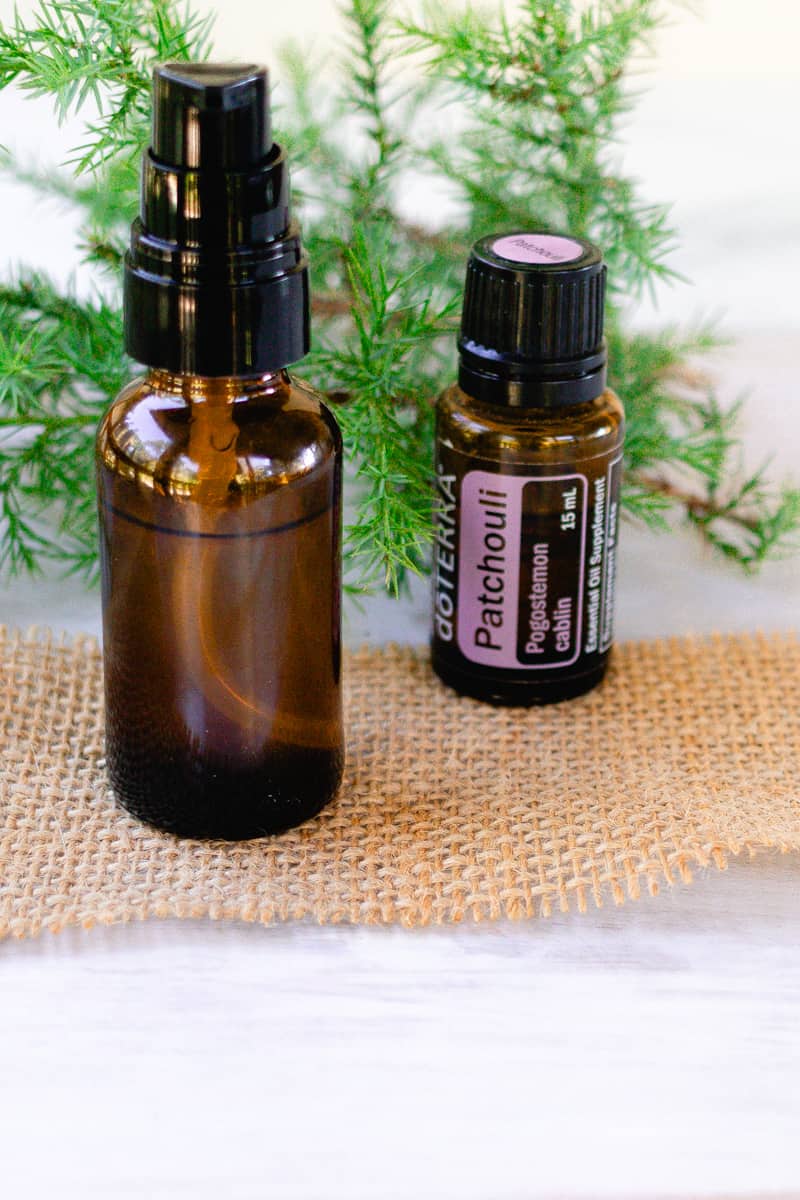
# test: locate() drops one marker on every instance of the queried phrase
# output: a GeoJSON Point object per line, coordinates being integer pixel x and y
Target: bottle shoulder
{"type": "Point", "coordinates": [549, 435]}
{"type": "Point", "coordinates": [252, 436]}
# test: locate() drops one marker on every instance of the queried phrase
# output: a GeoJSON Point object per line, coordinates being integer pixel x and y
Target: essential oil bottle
{"type": "Point", "coordinates": [219, 485]}
{"type": "Point", "coordinates": [528, 463]}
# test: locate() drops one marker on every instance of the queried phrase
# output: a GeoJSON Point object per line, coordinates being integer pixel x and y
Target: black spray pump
{"type": "Point", "coordinates": [219, 487]}
{"type": "Point", "coordinates": [216, 282]}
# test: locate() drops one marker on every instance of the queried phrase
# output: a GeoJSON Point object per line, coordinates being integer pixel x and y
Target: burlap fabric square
{"type": "Point", "coordinates": [450, 810]}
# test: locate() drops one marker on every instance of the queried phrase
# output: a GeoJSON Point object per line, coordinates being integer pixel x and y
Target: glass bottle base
{"type": "Point", "coordinates": [495, 689]}
{"type": "Point", "coordinates": [195, 799]}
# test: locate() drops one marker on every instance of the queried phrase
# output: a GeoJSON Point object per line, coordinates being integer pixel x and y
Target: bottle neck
{"type": "Point", "coordinates": [215, 389]}
{"type": "Point", "coordinates": [513, 383]}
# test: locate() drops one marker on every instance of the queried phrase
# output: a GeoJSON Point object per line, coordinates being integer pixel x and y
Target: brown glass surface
{"type": "Point", "coordinates": [220, 547]}
{"type": "Point", "coordinates": [520, 441]}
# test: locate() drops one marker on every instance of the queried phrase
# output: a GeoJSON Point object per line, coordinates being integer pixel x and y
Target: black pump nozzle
{"type": "Point", "coordinates": [208, 115]}
{"type": "Point", "coordinates": [216, 281]}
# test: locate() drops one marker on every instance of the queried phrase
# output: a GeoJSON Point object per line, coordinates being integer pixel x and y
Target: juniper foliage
{"type": "Point", "coordinates": [535, 103]}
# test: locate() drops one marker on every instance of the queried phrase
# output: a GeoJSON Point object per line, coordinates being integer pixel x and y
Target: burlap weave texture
{"type": "Point", "coordinates": [449, 810]}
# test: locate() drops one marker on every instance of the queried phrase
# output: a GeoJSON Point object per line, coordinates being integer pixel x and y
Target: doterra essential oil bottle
{"type": "Point", "coordinates": [219, 487]}
{"type": "Point", "coordinates": [528, 462]}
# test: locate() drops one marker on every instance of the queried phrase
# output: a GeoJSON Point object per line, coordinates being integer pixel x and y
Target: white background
{"type": "Point", "coordinates": [649, 1051]}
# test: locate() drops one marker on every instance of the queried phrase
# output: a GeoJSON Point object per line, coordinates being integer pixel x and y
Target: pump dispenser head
{"type": "Point", "coordinates": [216, 281]}
{"type": "Point", "coordinates": [211, 115]}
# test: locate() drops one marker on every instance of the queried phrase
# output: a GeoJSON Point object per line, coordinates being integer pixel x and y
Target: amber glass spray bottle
{"type": "Point", "coordinates": [219, 487]}
{"type": "Point", "coordinates": [529, 462]}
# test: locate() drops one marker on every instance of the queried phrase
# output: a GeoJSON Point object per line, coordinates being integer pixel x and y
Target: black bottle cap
{"type": "Point", "coordinates": [532, 322]}
{"type": "Point", "coordinates": [216, 280]}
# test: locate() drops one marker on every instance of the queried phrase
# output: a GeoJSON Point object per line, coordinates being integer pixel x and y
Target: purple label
{"type": "Point", "coordinates": [537, 248]}
{"type": "Point", "coordinates": [521, 563]}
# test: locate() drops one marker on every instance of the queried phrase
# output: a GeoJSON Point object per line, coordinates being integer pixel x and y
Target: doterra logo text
{"type": "Point", "coordinates": [445, 561]}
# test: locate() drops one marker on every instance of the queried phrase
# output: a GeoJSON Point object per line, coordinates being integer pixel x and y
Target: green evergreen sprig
{"type": "Point", "coordinates": [100, 51]}
{"type": "Point", "coordinates": [376, 367]}
{"type": "Point", "coordinates": [515, 121]}
{"type": "Point", "coordinates": [59, 363]}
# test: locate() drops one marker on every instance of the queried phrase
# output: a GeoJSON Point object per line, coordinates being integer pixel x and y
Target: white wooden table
{"type": "Point", "coordinates": [648, 1051]}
